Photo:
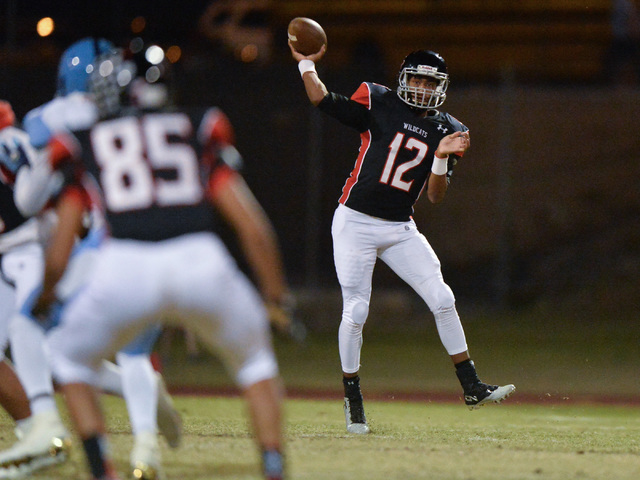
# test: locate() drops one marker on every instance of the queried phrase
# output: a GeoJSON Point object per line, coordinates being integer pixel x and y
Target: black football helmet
{"type": "Point", "coordinates": [423, 63]}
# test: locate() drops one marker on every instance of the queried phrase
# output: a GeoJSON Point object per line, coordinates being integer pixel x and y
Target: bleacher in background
{"type": "Point", "coordinates": [536, 40]}
{"type": "Point", "coordinates": [533, 41]}
{"type": "Point", "coordinates": [544, 203]}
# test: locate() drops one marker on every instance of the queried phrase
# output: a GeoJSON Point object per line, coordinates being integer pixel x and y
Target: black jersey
{"type": "Point", "coordinates": [396, 151]}
{"type": "Point", "coordinates": [10, 217]}
{"type": "Point", "coordinates": [156, 171]}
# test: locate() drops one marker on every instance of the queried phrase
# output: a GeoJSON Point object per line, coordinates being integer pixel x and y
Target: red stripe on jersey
{"type": "Point", "coordinates": [79, 195]}
{"type": "Point", "coordinates": [62, 148]}
{"type": "Point", "coordinates": [219, 178]}
{"type": "Point", "coordinates": [6, 176]}
{"type": "Point", "coordinates": [215, 128]}
{"type": "Point", "coordinates": [7, 117]}
{"type": "Point", "coordinates": [353, 178]}
{"type": "Point", "coordinates": [362, 95]}
{"type": "Point", "coordinates": [92, 189]}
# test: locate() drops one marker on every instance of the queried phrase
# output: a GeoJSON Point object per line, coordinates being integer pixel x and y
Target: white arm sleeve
{"type": "Point", "coordinates": [35, 185]}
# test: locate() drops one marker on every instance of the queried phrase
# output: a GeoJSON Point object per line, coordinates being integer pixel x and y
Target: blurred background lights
{"type": "Point", "coordinates": [124, 77]}
{"type": "Point", "coordinates": [154, 54]}
{"type": "Point", "coordinates": [138, 24]}
{"type": "Point", "coordinates": [45, 26]}
{"type": "Point", "coordinates": [174, 53]}
{"type": "Point", "coordinates": [106, 68]}
{"type": "Point", "coordinates": [152, 74]}
{"type": "Point", "coordinates": [136, 44]}
{"type": "Point", "coordinates": [249, 53]}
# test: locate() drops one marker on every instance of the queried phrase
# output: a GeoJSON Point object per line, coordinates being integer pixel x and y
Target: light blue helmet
{"type": "Point", "coordinates": [76, 64]}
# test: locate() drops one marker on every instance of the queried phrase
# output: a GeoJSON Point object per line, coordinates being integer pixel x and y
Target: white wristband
{"type": "Point", "coordinates": [440, 165]}
{"type": "Point", "coordinates": [306, 66]}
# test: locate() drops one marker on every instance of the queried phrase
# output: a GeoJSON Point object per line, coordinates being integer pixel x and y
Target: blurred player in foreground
{"type": "Point", "coordinates": [148, 402]}
{"type": "Point", "coordinates": [34, 186]}
{"type": "Point", "coordinates": [407, 146]}
{"type": "Point", "coordinates": [27, 392]}
{"type": "Point", "coordinates": [161, 176]}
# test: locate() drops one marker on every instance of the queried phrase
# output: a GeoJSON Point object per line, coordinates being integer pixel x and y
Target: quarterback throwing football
{"type": "Point", "coordinates": [407, 146]}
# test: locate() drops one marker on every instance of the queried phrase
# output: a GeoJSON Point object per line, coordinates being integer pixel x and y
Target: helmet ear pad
{"type": "Point", "coordinates": [423, 63]}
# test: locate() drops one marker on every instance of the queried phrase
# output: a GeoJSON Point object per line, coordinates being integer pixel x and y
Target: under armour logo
{"type": "Point", "coordinates": [443, 129]}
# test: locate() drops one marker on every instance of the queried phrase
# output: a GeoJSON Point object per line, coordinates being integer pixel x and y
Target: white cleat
{"type": "Point", "coordinates": [169, 421]}
{"type": "Point", "coordinates": [22, 429]}
{"type": "Point", "coordinates": [145, 457]}
{"type": "Point", "coordinates": [45, 443]}
{"type": "Point", "coordinates": [488, 394]}
{"type": "Point", "coordinates": [355, 418]}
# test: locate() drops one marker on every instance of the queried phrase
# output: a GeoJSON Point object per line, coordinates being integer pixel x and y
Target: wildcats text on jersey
{"type": "Point", "coordinates": [396, 152]}
{"type": "Point", "coordinates": [414, 129]}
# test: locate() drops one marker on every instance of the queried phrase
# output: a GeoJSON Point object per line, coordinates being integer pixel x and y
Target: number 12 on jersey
{"type": "Point", "coordinates": [412, 144]}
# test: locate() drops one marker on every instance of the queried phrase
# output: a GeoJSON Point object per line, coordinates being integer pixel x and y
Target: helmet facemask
{"type": "Point", "coordinates": [420, 97]}
{"type": "Point", "coordinates": [118, 82]}
{"type": "Point", "coordinates": [109, 81]}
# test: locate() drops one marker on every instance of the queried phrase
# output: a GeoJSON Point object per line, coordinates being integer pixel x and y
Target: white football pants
{"type": "Point", "coordinates": [358, 240]}
{"type": "Point", "coordinates": [190, 280]}
{"type": "Point", "coordinates": [22, 269]}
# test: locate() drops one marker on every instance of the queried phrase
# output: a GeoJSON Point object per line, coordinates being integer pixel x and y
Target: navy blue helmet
{"type": "Point", "coordinates": [427, 64]}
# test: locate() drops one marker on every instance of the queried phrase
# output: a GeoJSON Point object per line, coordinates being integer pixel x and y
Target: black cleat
{"type": "Point", "coordinates": [481, 393]}
{"type": "Point", "coordinates": [354, 416]}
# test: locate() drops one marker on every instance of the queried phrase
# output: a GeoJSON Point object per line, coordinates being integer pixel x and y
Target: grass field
{"type": "Point", "coordinates": [575, 415]}
{"type": "Point", "coordinates": [410, 440]}
{"type": "Point", "coordinates": [549, 352]}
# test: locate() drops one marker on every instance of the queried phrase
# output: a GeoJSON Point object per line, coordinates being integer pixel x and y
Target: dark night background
{"type": "Point", "coordinates": [544, 207]}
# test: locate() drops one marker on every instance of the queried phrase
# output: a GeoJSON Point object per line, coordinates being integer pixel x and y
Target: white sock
{"type": "Point", "coordinates": [22, 427]}
{"type": "Point", "coordinates": [30, 361]}
{"type": "Point", "coordinates": [349, 346]}
{"type": "Point", "coordinates": [43, 403]}
{"type": "Point", "coordinates": [110, 378]}
{"type": "Point", "coordinates": [140, 387]}
{"type": "Point", "coordinates": [450, 330]}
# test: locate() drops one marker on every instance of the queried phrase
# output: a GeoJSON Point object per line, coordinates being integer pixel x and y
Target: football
{"type": "Point", "coordinates": [307, 36]}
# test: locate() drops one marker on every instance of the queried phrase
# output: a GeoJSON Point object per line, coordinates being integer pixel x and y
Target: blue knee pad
{"type": "Point", "coordinates": [92, 241]}
{"type": "Point", "coordinates": [143, 343]}
{"type": "Point", "coordinates": [94, 238]}
{"type": "Point", "coordinates": [55, 313]}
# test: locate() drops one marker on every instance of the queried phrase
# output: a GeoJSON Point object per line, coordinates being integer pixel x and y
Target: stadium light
{"type": "Point", "coordinates": [174, 53]}
{"type": "Point", "coordinates": [45, 26]}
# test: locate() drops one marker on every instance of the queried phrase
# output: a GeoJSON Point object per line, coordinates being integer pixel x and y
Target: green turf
{"type": "Point", "coordinates": [561, 356]}
{"type": "Point", "coordinates": [545, 351]}
{"type": "Point", "coordinates": [409, 441]}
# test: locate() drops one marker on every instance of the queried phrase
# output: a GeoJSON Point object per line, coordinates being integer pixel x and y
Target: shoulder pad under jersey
{"type": "Point", "coordinates": [75, 111]}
